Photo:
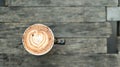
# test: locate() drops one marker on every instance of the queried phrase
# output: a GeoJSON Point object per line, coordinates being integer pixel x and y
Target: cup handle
{"type": "Point", "coordinates": [59, 41]}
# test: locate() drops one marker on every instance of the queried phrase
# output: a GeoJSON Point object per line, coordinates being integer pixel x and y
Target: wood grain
{"type": "Point", "coordinates": [52, 14]}
{"type": "Point", "coordinates": [77, 60]}
{"type": "Point", "coordinates": [9, 30]}
{"type": "Point", "coordinates": [82, 37]}
{"type": "Point", "coordinates": [62, 2]}
{"type": "Point", "coordinates": [72, 46]}
{"type": "Point", "coordinates": [82, 23]}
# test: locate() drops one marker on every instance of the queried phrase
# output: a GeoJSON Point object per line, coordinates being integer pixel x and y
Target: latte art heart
{"type": "Point", "coordinates": [38, 39]}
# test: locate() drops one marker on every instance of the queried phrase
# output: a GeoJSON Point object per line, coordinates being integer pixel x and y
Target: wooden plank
{"type": "Point", "coordinates": [93, 14]}
{"type": "Point", "coordinates": [112, 40]}
{"type": "Point", "coordinates": [76, 60]}
{"type": "Point", "coordinates": [11, 35]}
{"type": "Point", "coordinates": [52, 14]}
{"type": "Point", "coordinates": [62, 2]}
{"type": "Point", "coordinates": [60, 29]}
{"type": "Point", "coordinates": [15, 31]}
{"type": "Point", "coordinates": [113, 13]}
{"type": "Point", "coordinates": [72, 46]}
{"type": "Point", "coordinates": [118, 44]}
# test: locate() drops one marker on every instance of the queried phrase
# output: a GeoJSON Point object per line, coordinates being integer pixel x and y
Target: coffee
{"type": "Point", "coordinates": [38, 39]}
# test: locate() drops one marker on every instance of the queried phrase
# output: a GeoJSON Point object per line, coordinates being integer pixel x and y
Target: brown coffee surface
{"type": "Point", "coordinates": [38, 39]}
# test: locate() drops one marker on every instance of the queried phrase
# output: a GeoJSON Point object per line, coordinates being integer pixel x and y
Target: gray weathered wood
{"type": "Point", "coordinates": [93, 14]}
{"type": "Point", "coordinates": [113, 13]}
{"type": "Point", "coordinates": [75, 60]}
{"type": "Point", "coordinates": [59, 29]}
{"type": "Point", "coordinates": [52, 14]}
{"type": "Point", "coordinates": [11, 35]}
{"type": "Point", "coordinates": [72, 46]}
{"type": "Point", "coordinates": [62, 2]}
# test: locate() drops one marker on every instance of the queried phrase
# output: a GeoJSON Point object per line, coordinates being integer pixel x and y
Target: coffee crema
{"type": "Point", "coordinates": [38, 39]}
